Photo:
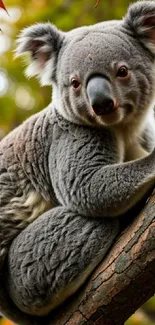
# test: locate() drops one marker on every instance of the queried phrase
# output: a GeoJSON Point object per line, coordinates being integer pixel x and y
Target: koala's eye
{"type": "Point", "coordinates": [75, 83]}
{"type": "Point", "coordinates": [122, 72]}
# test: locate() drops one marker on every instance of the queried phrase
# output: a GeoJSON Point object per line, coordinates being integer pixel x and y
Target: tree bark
{"type": "Point", "coordinates": [121, 283]}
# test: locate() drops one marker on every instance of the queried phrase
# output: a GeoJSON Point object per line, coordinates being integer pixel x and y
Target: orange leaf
{"type": "Point", "coordinates": [3, 6]}
{"type": "Point", "coordinates": [6, 322]}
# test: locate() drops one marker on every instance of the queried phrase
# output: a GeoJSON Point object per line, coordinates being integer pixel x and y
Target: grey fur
{"type": "Point", "coordinates": [73, 170]}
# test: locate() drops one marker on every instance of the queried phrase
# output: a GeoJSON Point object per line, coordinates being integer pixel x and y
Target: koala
{"type": "Point", "coordinates": [79, 164]}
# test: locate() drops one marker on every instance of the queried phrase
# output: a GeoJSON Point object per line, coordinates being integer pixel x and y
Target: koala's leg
{"type": "Point", "coordinates": [9, 229]}
{"type": "Point", "coordinates": [10, 226]}
{"type": "Point", "coordinates": [54, 255]}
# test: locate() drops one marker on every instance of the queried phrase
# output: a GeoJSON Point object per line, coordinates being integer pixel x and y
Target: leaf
{"type": "Point", "coordinates": [2, 6]}
{"type": "Point", "coordinates": [6, 322]}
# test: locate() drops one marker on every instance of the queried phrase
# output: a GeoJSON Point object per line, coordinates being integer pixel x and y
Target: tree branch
{"type": "Point", "coordinates": [122, 282]}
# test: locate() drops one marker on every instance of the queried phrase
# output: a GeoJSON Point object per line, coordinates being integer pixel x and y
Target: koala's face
{"type": "Point", "coordinates": [104, 77]}
{"type": "Point", "coordinates": [102, 74]}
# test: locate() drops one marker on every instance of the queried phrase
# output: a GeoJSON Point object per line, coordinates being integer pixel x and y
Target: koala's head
{"type": "Point", "coordinates": [101, 74]}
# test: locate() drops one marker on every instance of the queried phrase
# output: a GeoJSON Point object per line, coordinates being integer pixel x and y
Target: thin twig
{"type": "Point", "coordinates": [97, 2]}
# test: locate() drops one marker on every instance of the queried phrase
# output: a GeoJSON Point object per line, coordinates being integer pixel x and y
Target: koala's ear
{"type": "Point", "coordinates": [141, 19]}
{"type": "Point", "coordinates": [42, 42]}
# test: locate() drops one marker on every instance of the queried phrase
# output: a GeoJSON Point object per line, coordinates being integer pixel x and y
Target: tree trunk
{"type": "Point", "coordinates": [121, 283]}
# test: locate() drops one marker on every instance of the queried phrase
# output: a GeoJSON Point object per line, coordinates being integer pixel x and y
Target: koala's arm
{"type": "Point", "coordinates": [93, 181]}
{"type": "Point", "coordinates": [115, 189]}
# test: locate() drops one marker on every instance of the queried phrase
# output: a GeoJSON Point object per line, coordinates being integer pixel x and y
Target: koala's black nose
{"type": "Point", "coordinates": [100, 95]}
{"type": "Point", "coordinates": [106, 107]}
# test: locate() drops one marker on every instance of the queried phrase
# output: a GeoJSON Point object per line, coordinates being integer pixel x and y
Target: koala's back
{"type": "Point", "coordinates": [24, 180]}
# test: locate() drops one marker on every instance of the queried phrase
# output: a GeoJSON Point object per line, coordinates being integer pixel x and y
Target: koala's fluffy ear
{"type": "Point", "coordinates": [141, 19]}
{"type": "Point", "coordinates": [42, 42]}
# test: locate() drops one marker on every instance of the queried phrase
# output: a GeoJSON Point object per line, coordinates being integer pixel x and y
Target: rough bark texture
{"type": "Point", "coordinates": [121, 283]}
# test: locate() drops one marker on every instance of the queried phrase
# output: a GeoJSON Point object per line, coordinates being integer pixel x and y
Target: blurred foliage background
{"type": "Point", "coordinates": [20, 97]}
